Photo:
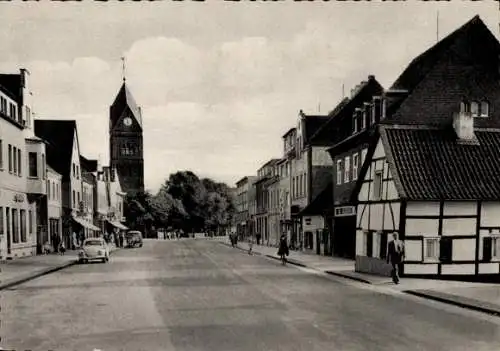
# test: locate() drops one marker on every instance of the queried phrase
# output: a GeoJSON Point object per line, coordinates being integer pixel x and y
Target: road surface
{"type": "Point", "coordinates": [201, 295]}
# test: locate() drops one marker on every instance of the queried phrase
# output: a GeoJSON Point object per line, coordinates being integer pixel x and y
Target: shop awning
{"type": "Point", "coordinates": [117, 225]}
{"type": "Point", "coordinates": [85, 224]}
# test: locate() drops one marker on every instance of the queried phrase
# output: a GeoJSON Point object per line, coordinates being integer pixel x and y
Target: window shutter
{"type": "Point", "coordinates": [445, 250]}
{"type": "Point", "coordinates": [383, 246]}
{"type": "Point", "coordinates": [487, 241]}
{"type": "Point", "coordinates": [369, 245]}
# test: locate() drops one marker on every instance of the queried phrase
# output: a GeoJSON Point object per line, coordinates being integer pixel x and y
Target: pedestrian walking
{"type": "Point", "coordinates": [395, 256]}
{"type": "Point", "coordinates": [283, 250]}
{"type": "Point", "coordinates": [62, 248]}
{"type": "Point", "coordinates": [250, 246]}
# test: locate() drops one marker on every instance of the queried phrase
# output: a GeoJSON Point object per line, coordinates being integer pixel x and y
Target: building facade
{"type": "Point", "coordinates": [432, 172]}
{"type": "Point", "coordinates": [261, 185]}
{"type": "Point", "coordinates": [54, 206]}
{"type": "Point", "coordinates": [22, 169]}
{"type": "Point", "coordinates": [126, 144]}
{"type": "Point", "coordinates": [353, 127]}
{"type": "Point", "coordinates": [244, 199]}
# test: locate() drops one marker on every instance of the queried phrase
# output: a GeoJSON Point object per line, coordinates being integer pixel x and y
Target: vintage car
{"type": "Point", "coordinates": [93, 249]}
{"type": "Point", "coordinates": [133, 238]}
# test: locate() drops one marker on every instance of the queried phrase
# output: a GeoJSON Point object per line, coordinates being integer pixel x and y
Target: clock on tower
{"type": "Point", "coordinates": [127, 121]}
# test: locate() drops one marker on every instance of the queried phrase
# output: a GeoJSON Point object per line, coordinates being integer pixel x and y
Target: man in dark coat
{"type": "Point", "coordinates": [395, 255]}
{"type": "Point", "coordinates": [283, 249]}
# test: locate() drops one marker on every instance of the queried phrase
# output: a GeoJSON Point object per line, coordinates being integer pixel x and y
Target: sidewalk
{"type": "Point", "coordinates": [20, 270]}
{"type": "Point", "coordinates": [481, 297]}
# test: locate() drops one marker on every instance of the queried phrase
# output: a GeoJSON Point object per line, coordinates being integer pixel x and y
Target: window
{"type": "Point", "coordinates": [474, 108]}
{"type": "Point", "coordinates": [431, 249]}
{"type": "Point", "coordinates": [382, 242]}
{"type": "Point", "coordinates": [23, 226]}
{"type": "Point", "coordinates": [374, 112]}
{"type": "Point", "coordinates": [300, 185]}
{"type": "Point", "coordinates": [495, 252]}
{"type": "Point", "coordinates": [48, 190]}
{"type": "Point", "coordinates": [33, 164]}
{"type": "Point", "coordinates": [355, 122]}
{"type": "Point", "coordinates": [363, 119]}
{"type": "Point", "coordinates": [368, 243]}
{"type": "Point", "coordinates": [15, 226]}
{"type": "Point", "coordinates": [19, 162]}
{"type": "Point", "coordinates": [1, 155]}
{"type": "Point", "coordinates": [44, 170]}
{"type": "Point", "coordinates": [30, 221]}
{"type": "Point", "coordinates": [339, 172]}
{"type": "Point", "coordinates": [445, 249]}
{"type": "Point", "coordinates": [355, 161]}
{"type": "Point", "coordinates": [347, 169]}
{"type": "Point", "coordinates": [74, 170]}
{"type": "Point", "coordinates": [384, 108]}
{"type": "Point", "coordinates": [54, 191]}
{"type": "Point", "coordinates": [1, 221]}
{"type": "Point", "coordinates": [377, 185]}
{"type": "Point", "coordinates": [73, 199]}
{"type": "Point", "coordinates": [465, 106]}
{"type": "Point", "coordinates": [7, 220]}
{"type": "Point", "coordinates": [13, 111]}
{"type": "Point", "coordinates": [485, 108]}
{"type": "Point", "coordinates": [3, 105]}
{"type": "Point", "coordinates": [10, 158]}
{"type": "Point", "coordinates": [14, 159]}
{"type": "Point", "coordinates": [491, 248]}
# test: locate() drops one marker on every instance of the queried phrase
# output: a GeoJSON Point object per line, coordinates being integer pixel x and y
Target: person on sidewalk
{"type": "Point", "coordinates": [283, 249]}
{"type": "Point", "coordinates": [395, 255]}
{"type": "Point", "coordinates": [250, 246]}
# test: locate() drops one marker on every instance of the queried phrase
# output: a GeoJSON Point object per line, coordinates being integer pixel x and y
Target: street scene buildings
{"type": "Point", "coordinates": [50, 193]}
{"type": "Point", "coordinates": [418, 158]}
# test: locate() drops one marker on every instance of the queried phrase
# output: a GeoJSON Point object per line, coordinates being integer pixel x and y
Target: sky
{"type": "Point", "coordinates": [219, 82]}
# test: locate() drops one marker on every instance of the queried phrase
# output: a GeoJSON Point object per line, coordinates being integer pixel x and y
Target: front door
{"type": "Point", "coordinates": [318, 242]}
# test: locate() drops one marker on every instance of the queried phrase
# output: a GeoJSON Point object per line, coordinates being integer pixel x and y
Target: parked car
{"type": "Point", "coordinates": [94, 249]}
{"type": "Point", "coordinates": [134, 238]}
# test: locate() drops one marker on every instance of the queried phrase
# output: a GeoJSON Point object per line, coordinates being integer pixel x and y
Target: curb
{"type": "Point", "coordinates": [347, 276]}
{"type": "Point", "coordinates": [454, 302]}
{"type": "Point", "coordinates": [14, 282]}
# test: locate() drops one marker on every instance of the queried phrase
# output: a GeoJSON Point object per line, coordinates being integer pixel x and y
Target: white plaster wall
{"type": "Point", "coordinates": [376, 211]}
{"type": "Point", "coordinates": [379, 149]}
{"type": "Point", "coordinates": [459, 226]}
{"type": "Point", "coordinates": [388, 222]}
{"type": "Point", "coordinates": [490, 214]}
{"type": "Point", "coordinates": [76, 180]}
{"type": "Point", "coordinates": [320, 157]}
{"type": "Point", "coordinates": [489, 268]}
{"type": "Point", "coordinates": [421, 268]}
{"type": "Point", "coordinates": [425, 227]}
{"type": "Point", "coordinates": [390, 193]}
{"type": "Point", "coordinates": [359, 243]}
{"type": "Point", "coordinates": [464, 249]}
{"type": "Point", "coordinates": [362, 218]}
{"type": "Point", "coordinates": [9, 134]}
{"type": "Point", "coordinates": [363, 156]}
{"type": "Point", "coordinates": [421, 208]}
{"type": "Point", "coordinates": [455, 208]}
{"type": "Point", "coordinates": [363, 192]}
{"type": "Point", "coordinates": [413, 250]}
{"type": "Point", "coordinates": [458, 269]}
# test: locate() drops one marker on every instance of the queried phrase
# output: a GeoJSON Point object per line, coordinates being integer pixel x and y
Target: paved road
{"type": "Point", "coordinates": [199, 295]}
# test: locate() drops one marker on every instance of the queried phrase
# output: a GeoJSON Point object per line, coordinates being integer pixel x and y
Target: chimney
{"type": "Point", "coordinates": [371, 77]}
{"type": "Point", "coordinates": [463, 124]}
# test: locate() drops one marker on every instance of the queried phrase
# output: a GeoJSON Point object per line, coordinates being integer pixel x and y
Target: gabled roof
{"type": "Point", "coordinates": [11, 83]}
{"type": "Point", "coordinates": [320, 203]}
{"type": "Point", "coordinates": [312, 124]}
{"type": "Point", "coordinates": [332, 129]}
{"type": "Point", "coordinates": [124, 100]}
{"type": "Point", "coordinates": [429, 164]}
{"type": "Point", "coordinates": [289, 131]}
{"type": "Point", "coordinates": [59, 135]}
{"type": "Point", "coordinates": [465, 62]}
{"type": "Point", "coordinates": [88, 165]}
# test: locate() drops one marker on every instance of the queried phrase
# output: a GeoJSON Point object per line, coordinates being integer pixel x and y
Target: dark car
{"type": "Point", "coordinates": [134, 238]}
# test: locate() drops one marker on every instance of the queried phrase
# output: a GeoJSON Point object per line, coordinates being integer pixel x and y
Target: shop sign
{"type": "Point", "coordinates": [345, 211]}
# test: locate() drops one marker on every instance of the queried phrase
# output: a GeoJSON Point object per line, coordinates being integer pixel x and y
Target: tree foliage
{"type": "Point", "coordinates": [184, 202]}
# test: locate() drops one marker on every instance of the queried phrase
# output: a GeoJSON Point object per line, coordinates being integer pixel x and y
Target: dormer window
{"type": "Point", "coordinates": [485, 109]}
{"type": "Point", "coordinates": [355, 122]}
{"type": "Point", "coordinates": [363, 116]}
{"type": "Point", "coordinates": [474, 108]}
{"type": "Point", "coordinates": [464, 106]}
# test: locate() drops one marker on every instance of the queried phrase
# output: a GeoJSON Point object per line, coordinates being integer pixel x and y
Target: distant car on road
{"type": "Point", "coordinates": [93, 249]}
{"type": "Point", "coordinates": [134, 238]}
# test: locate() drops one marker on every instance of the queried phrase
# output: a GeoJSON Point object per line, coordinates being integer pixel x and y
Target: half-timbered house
{"type": "Point", "coordinates": [432, 171]}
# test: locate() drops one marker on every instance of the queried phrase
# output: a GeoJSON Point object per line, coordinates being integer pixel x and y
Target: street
{"type": "Point", "coordinates": [201, 295]}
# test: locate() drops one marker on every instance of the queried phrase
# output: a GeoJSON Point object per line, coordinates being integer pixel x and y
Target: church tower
{"type": "Point", "coordinates": [126, 141]}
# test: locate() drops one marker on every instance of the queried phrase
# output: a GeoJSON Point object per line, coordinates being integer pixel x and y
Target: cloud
{"type": "Point", "coordinates": [221, 109]}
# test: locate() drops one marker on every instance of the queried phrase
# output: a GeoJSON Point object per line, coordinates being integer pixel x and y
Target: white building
{"type": "Point", "coordinates": [22, 168]}
{"type": "Point", "coordinates": [54, 205]}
